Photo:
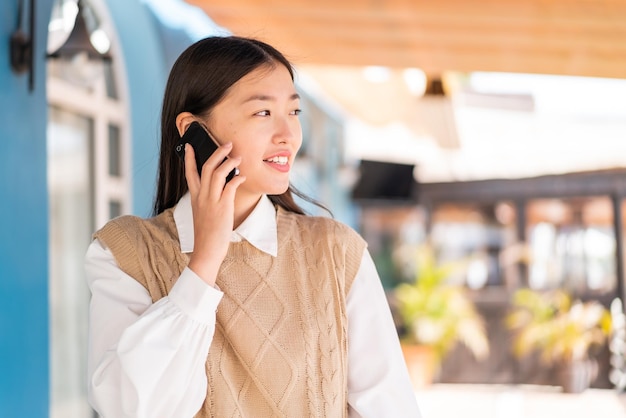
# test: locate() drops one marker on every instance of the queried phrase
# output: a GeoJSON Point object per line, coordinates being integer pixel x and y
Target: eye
{"type": "Point", "coordinates": [263, 113]}
{"type": "Point", "coordinates": [295, 112]}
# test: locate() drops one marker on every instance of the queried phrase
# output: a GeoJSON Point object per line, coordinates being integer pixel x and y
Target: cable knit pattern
{"type": "Point", "coordinates": [280, 344]}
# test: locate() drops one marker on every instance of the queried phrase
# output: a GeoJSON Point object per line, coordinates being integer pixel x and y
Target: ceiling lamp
{"type": "Point", "coordinates": [433, 114]}
{"type": "Point", "coordinates": [79, 42]}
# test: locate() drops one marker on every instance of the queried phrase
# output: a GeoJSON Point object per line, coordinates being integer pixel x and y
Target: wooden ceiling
{"type": "Point", "coordinates": [568, 37]}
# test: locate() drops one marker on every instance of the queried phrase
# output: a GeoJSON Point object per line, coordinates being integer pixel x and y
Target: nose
{"type": "Point", "coordinates": [287, 129]}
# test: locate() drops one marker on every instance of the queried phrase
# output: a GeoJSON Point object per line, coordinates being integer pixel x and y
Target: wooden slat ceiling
{"type": "Point", "coordinates": [568, 37]}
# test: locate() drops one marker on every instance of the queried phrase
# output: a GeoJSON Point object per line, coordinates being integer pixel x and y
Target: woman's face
{"type": "Point", "coordinates": [259, 115]}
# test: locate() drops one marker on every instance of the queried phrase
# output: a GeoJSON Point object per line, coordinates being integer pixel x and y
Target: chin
{"type": "Point", "coordinates": [277, 189]}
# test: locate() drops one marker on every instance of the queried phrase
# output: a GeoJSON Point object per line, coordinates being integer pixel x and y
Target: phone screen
{"type": "Point", "coordinates": [203, 145]}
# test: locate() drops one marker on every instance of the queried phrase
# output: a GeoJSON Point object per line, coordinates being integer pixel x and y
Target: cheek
{"type": "Point", "coordinates": [298, 144]}
{"type": "Point", "coordinates": [241, 147]}
{"type": "Point", "coordinates": [249, 153]}
{"type": "Point", "coordinates": [299, 141]}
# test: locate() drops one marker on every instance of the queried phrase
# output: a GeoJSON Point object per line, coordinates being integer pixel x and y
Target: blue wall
{"type": "Point", "coordinates": [23, 228]}
{"type": "Point", "coordinates": [146, 79]}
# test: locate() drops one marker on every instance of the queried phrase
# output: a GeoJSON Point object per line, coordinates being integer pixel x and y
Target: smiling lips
{"type": "Point", "coordinates": [278, 162]}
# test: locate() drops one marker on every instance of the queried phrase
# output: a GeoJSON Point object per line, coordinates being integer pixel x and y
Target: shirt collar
{"type": "Point", "coordinates": [259, 228]}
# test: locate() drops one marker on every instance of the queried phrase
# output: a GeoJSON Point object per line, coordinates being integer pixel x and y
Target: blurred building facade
{"type": "Point", "coordinates": [544, 233]}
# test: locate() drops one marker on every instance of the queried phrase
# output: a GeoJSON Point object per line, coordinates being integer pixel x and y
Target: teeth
{"type": "Point", "coordinates": [278, 160]}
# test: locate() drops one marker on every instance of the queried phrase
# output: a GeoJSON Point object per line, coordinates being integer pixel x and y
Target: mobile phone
{"type": "Point", "coordinates": [203, 145]}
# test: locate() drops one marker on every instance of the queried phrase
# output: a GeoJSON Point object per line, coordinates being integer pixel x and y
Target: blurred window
{"type": "Point", "coordinates": [482, 235]}
{"type": "Point", "coordinates": [572, 244]}
{"type": "Point", "coordinates": [88, 171]}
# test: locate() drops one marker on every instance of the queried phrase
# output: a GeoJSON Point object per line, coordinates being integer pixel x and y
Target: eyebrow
{"type": "Point", "coordinates": [264, 97]}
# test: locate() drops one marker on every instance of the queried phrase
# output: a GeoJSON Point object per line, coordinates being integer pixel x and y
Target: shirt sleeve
{"type": "Point", "coordinates": [378, 380]}
{"type": "Point", "coordinates": [145, 359]}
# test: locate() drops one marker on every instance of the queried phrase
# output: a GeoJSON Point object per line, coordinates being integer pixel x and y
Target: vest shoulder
{"type": "Point", "coordinates": [127, 227]}
{"type": "Point", "coordinates": [118, 227]}
{"type": "Point", "coordinates": [123, 221]}
{"type": "Point", "coordinates": [324, 225]}
{"type": "Point", "coordinates": [139, 244]}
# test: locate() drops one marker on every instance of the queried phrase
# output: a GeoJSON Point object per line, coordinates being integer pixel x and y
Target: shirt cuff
{"type": "Point", "coordinates": [195, 297]}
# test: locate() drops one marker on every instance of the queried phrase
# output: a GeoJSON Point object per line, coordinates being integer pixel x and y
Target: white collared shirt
{"type": "Point", "coordinates": [148, 359]}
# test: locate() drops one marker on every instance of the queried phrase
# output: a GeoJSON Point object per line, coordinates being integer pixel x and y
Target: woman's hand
{"type": "Point", "coordinates": [213, 205]}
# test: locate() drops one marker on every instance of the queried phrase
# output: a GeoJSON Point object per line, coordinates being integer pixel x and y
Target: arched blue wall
{"type": "Point", "coordinates": [24, 314]}
{"type": "Point", "coordinates": [146, 77]}
{"type": "Point", "coordinates": [23, 227]}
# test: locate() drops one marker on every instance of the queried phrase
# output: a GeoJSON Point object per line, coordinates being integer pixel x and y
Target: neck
{"type": "Point", "coordinates": [244, 205]}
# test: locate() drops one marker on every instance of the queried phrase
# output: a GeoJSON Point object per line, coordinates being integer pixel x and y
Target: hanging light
{"type": "Point", "coordinates": [79, 42]}
{"type": "Point", "coordinates": [434, 114]}
{"type": "Point", "coordinates": [81, 58]}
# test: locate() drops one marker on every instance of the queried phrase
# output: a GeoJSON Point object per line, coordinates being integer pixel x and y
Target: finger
{"type": "Point", "coordinates": [214, 161]}
{"type": "Point", "coordinates": [231, 187]}
{"type": "Point", "coordinates": [191, 172]}
{"type": "Point", "coordinates": [224, 170]}
{"type": "Point", "coordinates": [220, 174]}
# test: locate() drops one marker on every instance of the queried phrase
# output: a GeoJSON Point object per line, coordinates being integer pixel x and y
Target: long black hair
{"type": "Point", "coordinates": [199, 79]}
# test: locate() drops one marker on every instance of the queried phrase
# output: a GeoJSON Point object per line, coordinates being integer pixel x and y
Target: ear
{"type": "Point", "coordinates": [183, 120]}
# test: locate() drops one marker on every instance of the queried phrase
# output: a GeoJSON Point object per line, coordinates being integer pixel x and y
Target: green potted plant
{"type": "Point", "coordinates": [562, 330]}
{"type": "Point", "coordinates": [436, 315]}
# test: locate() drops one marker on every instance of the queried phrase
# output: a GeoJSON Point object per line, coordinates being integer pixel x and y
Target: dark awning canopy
{"type": "Point", "coordinates": [381, 180]}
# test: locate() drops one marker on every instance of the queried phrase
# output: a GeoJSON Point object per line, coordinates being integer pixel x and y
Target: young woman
{"type": "Point", "coordinates": [230, 302]}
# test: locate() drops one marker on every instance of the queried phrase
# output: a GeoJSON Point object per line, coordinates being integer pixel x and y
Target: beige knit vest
{"type": "Point", "coordinates": [280, 345]}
